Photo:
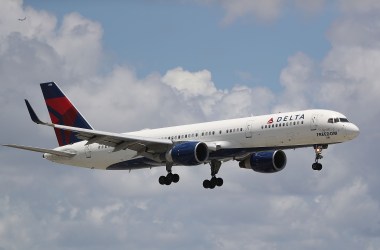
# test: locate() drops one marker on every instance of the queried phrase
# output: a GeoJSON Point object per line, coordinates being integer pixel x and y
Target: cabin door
{"type": "Point", "coordinates": [248, 130]}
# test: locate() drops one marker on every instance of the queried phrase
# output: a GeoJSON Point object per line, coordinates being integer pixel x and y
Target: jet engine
{"type": "Point", "coordinates": [265, 162]}
{"type": "Point", "coordinates": [188, 153]}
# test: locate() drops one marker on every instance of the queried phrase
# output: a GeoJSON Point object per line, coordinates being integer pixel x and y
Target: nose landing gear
{"type": "Point", "coordinates": [318, 155]}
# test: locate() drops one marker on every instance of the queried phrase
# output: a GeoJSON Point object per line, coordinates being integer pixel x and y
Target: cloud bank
{"type": "Point", "coordinates": [46, 206]}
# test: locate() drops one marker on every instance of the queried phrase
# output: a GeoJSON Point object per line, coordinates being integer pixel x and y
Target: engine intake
{"type": "Point", "coordinates": [188, 153]}
{"type": "Point", "coordinates": [265, 162]}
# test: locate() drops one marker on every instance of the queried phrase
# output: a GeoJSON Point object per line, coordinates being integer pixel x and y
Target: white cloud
{"type": "Point", "coordinates": [58, 207]}
{"type": "Point", "coordinates": [298, 82]}
{"type": "Point", "coordinates": [190, 84]}
{"type": "Point", "coordinates": [263, 11]}
{"type": "Point", "coordinates": [364, 6]}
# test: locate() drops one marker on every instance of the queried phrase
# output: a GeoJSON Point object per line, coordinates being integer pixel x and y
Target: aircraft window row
{"type": "Point", "coordinates": [175, 137]}
{"type": "Point", "coordinates": [195, 135]}
{"type": "Point", "coordinates": [102, 146]}
{"type": "Point", "coordinates": [335, 120]}
{"type": "Point", "coordinates": [284, 124]}
{"type": "Point", "coordinates": [234, 130]}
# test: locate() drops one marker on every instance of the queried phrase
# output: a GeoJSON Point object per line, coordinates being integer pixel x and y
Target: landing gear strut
{"type": "Point", "coordinates": [170, 177]}
{"type": "Point", "coordinates": [214, 181]}
{"type": "Point", "coordinates": [318, 155]}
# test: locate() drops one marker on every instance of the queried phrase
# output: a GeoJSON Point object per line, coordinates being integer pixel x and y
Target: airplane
{"type": "Point", "coordinates": [255, 142]}
{"type": "Point", "coordinates": [22, 19]}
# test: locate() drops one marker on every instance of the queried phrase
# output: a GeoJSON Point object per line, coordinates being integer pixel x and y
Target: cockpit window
{"type": "Point", "coordinates": [335, 120]}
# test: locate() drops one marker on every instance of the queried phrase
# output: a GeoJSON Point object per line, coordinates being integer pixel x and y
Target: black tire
{"type": "Point", "coordinates": [319, 167]}
{"type": "Point", "coordinates": [206, 184]}
{"type": "Point", "coordinates": [219, 182]}
{"type": "Point", "coordinates": [175, 178]}
{"type": "Point", "coordinates": [168, 181]}
{"type": "Point", "coordinates": [314, 166]}
{"type": "Point", "coordinates": [169, 177]}
{"type": "Point", "coordinates": [162, 180]}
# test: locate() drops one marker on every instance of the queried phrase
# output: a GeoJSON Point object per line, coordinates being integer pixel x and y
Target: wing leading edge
{"type": "Point", "coordinates": [117, 140]}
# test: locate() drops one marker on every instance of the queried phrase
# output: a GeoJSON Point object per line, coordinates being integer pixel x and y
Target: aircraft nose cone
{"type": "Point", "coordinates": [353, 131]}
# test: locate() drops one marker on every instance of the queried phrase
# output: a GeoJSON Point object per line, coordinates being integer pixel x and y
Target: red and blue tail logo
{"type": "Point", "coordinates": [62, 112]}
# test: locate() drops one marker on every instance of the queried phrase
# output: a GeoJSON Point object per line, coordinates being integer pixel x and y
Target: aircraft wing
{"type": "Point", "coordinates": [117, 140]}
{"type": "Point", "coordinates": [42, 150]}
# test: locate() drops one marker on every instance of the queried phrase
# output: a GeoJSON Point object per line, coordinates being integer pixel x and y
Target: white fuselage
{"type": "Point", "coordinates": [227, 139]}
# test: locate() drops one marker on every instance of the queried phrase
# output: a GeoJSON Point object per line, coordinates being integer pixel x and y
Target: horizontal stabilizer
{"type": "Point", "coordinates": [42, 150]}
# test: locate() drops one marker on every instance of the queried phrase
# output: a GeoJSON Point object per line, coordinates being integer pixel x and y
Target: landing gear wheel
{"type": "Point", "coordinates": [219, 182]}
{"type": "Point", "coordinates": [318, 155]}
{"type": "Point", "coordinates": [206, 184]}
{"type": "Point", "coordinates": [175, 178]}
{"type": "Point", "coordinates": [212, 185]}
{"type": "Point", "coordinates": [317, 166]}
{"type": "Point", "coordinates": [162, 180]}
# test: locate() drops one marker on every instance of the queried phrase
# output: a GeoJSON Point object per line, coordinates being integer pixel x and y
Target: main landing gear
{"type": "Point", "coordinates": [214, 181]}
{"type": "Point", "coordinates": [318, 155]}
{"type": "Point", "coordinates": [169, 178]}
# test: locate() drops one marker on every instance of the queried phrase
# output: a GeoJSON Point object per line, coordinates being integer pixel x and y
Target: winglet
{"type": "Point", "coordinates": [32, 114]}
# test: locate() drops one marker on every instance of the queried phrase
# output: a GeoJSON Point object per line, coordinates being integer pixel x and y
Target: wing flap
{"type": "Point", "coordinates": [41, 150]}
{"type": "Point", "coordinates": [119, 141]}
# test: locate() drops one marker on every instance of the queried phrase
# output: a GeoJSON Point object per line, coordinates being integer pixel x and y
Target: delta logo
{"type": "Point", "coordinates": [287, 118]}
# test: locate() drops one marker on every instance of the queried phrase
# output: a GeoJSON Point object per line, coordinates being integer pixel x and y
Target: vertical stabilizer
{"type": "Point", "coordinates": [62, 112]}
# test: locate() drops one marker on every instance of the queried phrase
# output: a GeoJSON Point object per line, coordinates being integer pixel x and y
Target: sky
{"type": "Point", "coordinates": [129, 65]}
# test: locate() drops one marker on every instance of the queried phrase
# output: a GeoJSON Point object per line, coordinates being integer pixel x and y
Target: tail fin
{"type": "Point", "coordinates": [62, 112]}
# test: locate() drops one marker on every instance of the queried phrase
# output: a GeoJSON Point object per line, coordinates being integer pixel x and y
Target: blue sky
{"type": "Point", "coordinates": [160, 35]}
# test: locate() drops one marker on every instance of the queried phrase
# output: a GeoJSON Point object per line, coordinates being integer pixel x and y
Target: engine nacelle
{"type": "Point", "coordinates": [265, 162]}
{"type": "Point", "coordinates": [188, 153]}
